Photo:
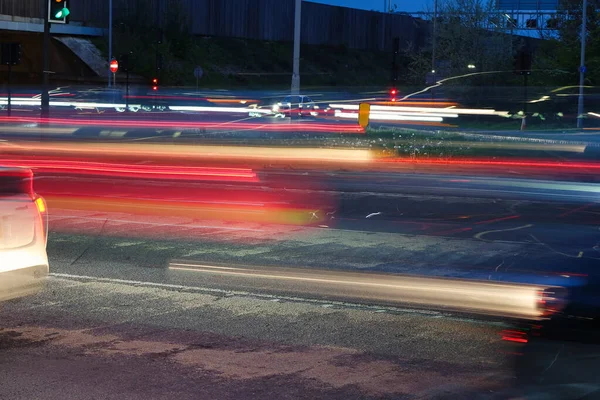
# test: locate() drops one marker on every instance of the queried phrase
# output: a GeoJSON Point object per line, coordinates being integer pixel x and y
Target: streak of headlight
{"type": "Point", "coordinates": [166, 124]}
{"type": "Point", "coordinates": [79, 104]}
{"type": "Point", "coordinates": [142, 171]}
{"type": "Point", "coordinates": [569, 87]}
{"type": "Point", "coordinates": [467, 111]}
{"type": "Point", "coordinates": [228, 153]}
{"type": "Point", "coordinates": [442, 81]}
{"type": "Point", "coordinates": [506, 299]}
{"type": "Point", "coordinates": [375, 116]}
{"type": "Point", "coordinates": [594, 114]}
{"type": "Point", "coordinates": [440, 114]}
{"type": "Point", "coordinates": [219, 109]}
{"type": "Point", "coordinates": [541, 99]}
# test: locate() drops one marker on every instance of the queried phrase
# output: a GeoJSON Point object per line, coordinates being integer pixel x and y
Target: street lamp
{"type": "Point", "coordinates": [582, 66]}
{"type": "Point", "coordinates": [110, 27]}
{"type": "Point", "coordinates": [433, 39]}
{"type": "Point", "coordinates": [297, 31]}
{"type": "Point", "coordinates": [471, 66]}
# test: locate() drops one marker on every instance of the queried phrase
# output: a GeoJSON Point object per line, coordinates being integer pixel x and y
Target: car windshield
{"type": "Point", "coordinates": [324, 199]}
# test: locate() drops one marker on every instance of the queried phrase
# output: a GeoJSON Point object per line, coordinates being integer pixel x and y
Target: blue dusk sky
{"type": "Point", "coordinates": [377, 5]}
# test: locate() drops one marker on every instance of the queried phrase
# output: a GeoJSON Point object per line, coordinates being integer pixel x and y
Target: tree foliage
{"type": "Point", "coordinates": [561, 53]}
{"type": "Point", "coordinates": [465, 34]}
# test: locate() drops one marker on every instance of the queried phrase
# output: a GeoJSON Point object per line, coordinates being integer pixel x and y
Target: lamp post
{"type": "Point", "coordinates": [582, 66]}
{"type": "Point", "coordinates": [434, 38]}
{"type": "Point", "coordinates": [297, 31]}
{"type": "Point", "coordinates": [110, 28]}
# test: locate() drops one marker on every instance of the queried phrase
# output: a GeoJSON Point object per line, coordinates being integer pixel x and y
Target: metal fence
{"type": "Point", "coordinates": [253, 19]}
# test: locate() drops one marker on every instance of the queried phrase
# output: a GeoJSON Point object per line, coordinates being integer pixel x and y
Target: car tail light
{"type": "Point", "coordinates": [40, 204]}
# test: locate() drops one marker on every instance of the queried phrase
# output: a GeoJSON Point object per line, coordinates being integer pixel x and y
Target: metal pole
{"type": "Point", "coordinates": [525, 95]}
{"type": "Point", "coordinates": [110, 36]}
{"type": "Point", "coordinates": [433, 45]}
{"type": "Point", "coordinates": [127, 90]}
{"type": "Point", "coordinates": [434, 37]}
{"type": "Point", "coordinates": [9, 88]}
{"type": "Point", "coordinates": [582, 66]}
{"type": "Point", "coordinates": [297, 31]}
{"type": "Point", "coordinates": [46, 64]}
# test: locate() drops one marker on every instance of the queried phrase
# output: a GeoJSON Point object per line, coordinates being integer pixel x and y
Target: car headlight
{"type": "Point", "coordinates": [276, 107]}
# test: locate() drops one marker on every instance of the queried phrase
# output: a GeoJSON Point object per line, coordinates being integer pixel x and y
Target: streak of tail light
{"type": "Point", "coordinates": [204, 152]}
{"type": "Point", "coordinates": [433, 104]}
{"type": "Point", "coordinates": [499, 163]}
{"type": "Point", "coordinates": [192, 98]}
{"type": "Point", "coordinates": [141, 171]}
{"type": "Point", "coordinates": [166, 124]}
{"type": "Point", "coordinates": [516, 336]}
{"type": "Point", "coordinates": [506, 299]}
{"type": "Point", "coordinates": [213, 210]}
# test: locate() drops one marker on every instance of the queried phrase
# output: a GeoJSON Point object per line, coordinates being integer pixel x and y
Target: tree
{"type": "Point", "coordinates": [466, 33]}
{"type": "Point", "coordinates": [562, 52]}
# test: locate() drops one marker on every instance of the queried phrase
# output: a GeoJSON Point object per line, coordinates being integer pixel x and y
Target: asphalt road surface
{"type": "Point", "coordinates": [116, 320]}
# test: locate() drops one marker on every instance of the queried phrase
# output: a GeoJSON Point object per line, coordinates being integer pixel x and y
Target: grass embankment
{"type": "Point", "coordinates": [234, 63]}
{"type": "Point", "coordinates": [428, 145]}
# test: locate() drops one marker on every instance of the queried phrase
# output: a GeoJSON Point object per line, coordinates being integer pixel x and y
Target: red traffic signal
{"type": "Point", "coordinates": [393, 93]}
{"type": "Point", "coordinates": [155, 84]}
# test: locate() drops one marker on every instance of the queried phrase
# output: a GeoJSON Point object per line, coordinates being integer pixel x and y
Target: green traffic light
{"type": "Point", "coordinates": [62, 13]}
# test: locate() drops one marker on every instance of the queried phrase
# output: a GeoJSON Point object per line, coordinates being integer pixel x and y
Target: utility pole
{"type": "Point", "coordinates": [46, 63]}
{"type": "Point", "coordinates": [434, 38]}
{"type": "Point", "coordinates": [110, 36]}
{"type": "Point", "coordinates": [582, 66]}
{"type": "Point", "coordinates": [297, 32]}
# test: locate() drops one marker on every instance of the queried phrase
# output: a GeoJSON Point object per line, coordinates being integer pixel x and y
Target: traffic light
{"type": "Point", "coordinates": [393, 94]}
{"type": "Point", "coordinates": [155, 84]}
{"type": "Point", "coordinates": [58, 11]}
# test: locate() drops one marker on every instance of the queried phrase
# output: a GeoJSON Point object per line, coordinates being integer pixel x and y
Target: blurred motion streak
{"type": "Point", "coordinates": [424, 110]}
{"type": "Point", "coordinates": [498, 299]}
{"type": "Point", "coordinates": [136, 171]}
{"type": "Point", "coordinates": [146, 151]}
{"type": "Point", "coordinates": [166, 124]}
{"type": "Point", "coordinates": [500, 163]}
{"type": "Point", "coordinates": [205, 210]}
{"type": "Point", "coordinates": [511, 335]}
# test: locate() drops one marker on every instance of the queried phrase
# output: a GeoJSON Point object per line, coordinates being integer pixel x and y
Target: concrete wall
{"type": "Point", "coordinates": [252, 19]}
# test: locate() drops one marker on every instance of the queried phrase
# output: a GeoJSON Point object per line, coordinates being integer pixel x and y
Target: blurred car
{"type": "Point", "coordinates": [290, 106]}
{"type": "Point", "coordinates": [23, 235]}
{"type": "Point", "coordinates": [296, 106]}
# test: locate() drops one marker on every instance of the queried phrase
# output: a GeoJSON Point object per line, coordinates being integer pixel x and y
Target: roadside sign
{"type": "Point", "coordinates": [364, 111]}
{"type": "Point", "coordinates": [114, 66]}
{"type": "Point", "coordinates": [198, 72]}
{"type": "Point", "coordinates": [583, 69]}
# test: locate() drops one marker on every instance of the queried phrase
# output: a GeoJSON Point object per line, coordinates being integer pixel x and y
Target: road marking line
{"type": "Point", "coordinates": [480, 235]}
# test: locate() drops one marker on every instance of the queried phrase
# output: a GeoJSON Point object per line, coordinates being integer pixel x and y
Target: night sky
{"type": "Point", "coordinates": [377, 5]}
